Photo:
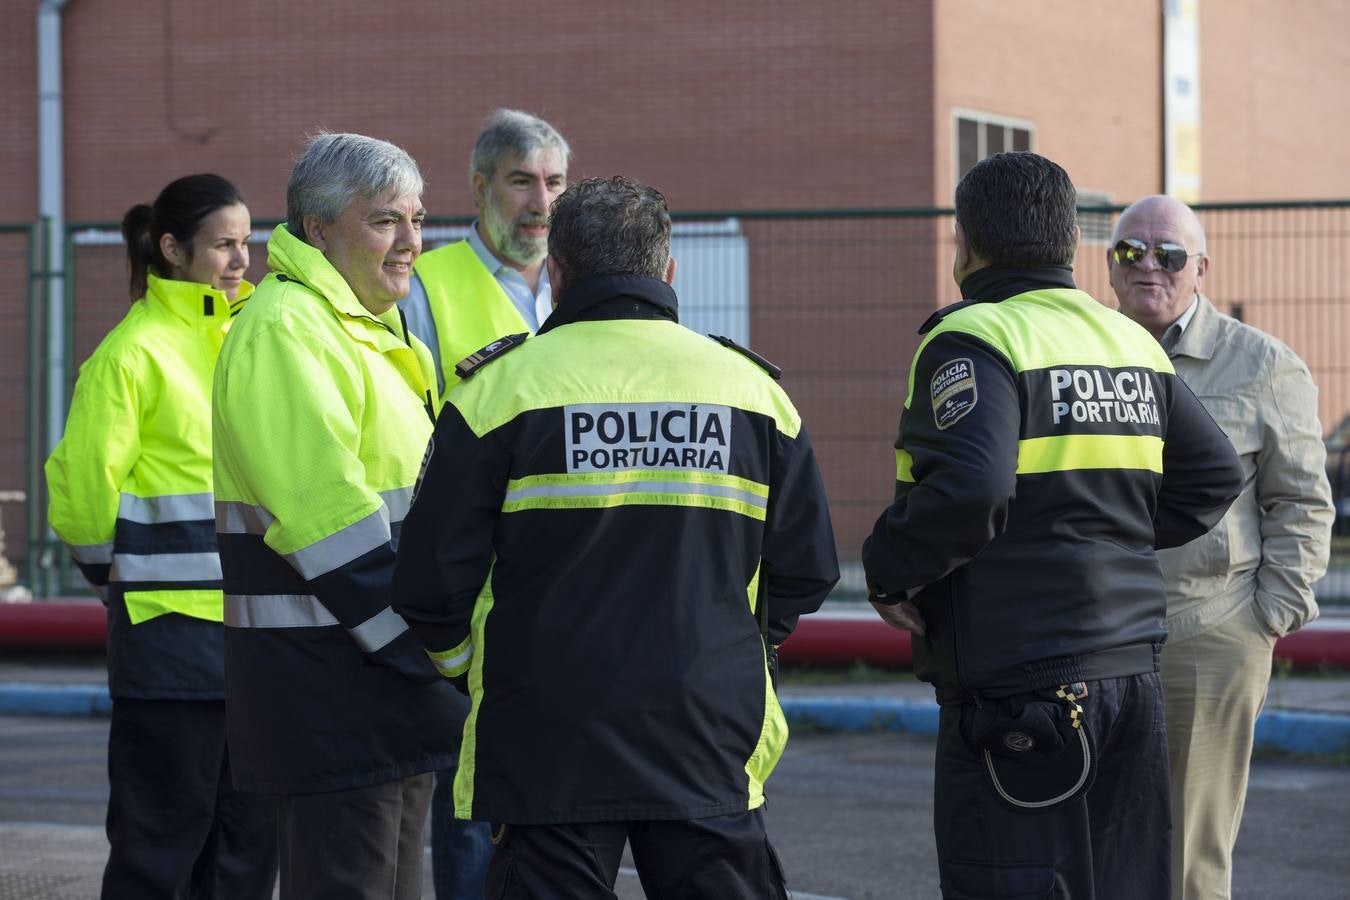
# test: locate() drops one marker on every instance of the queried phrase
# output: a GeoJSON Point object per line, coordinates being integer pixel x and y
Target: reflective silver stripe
{"type": "Point", "coordinates": [397, 502]}
{"type": "Point", "coordinates": [92, 554]}
{"type": "Point", "coordinates": [447, 666]}
{"type": "Point", "coordinates": [233, 517]}
{"type": "Point", "coordinates": [636, 487]}
{"type": "Point", "coordinates": [276, 611]}
{"type": "Point", "coordinates": [378, 630]}
{"type": "Point", "coordinates": [165, 567]}
{"type": "Point", "coordinates": [338, 549]}
{"type": "Point", "coordinates": [168, 508]}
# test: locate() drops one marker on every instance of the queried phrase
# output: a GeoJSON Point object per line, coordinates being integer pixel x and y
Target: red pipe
{"type": "Point", "coordinates": [825, 639]}
{"type": "Point", "coordinates": [832, 639]}
{"type": "Point", "coordinates": [53, 626]}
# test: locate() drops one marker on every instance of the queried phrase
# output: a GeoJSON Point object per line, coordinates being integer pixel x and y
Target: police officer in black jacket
{"type": "Point", "coordinates": [1046, 449]}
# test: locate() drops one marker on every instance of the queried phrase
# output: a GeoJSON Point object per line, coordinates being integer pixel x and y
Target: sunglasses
{"type": "Point", "coordinates": [1171, 257]}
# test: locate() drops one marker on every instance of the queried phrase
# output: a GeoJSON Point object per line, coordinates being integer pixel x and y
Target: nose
{"type": "Point", "coordinates": [409, 236]}
{"type": "Point", "coordinates": [539, 197]}
{"type": "Point", "coordinates": [1149, 263]}
{"type": "Point", "coordinates": [239, 258]}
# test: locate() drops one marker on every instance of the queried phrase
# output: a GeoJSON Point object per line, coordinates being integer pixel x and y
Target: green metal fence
{"type": "Point", "coordinates": [834, 297]}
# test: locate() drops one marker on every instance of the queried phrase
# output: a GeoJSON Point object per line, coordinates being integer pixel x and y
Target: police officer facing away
{"type": "Point", "coordinates": [599, 509]}
{"type": "Point", "coordinates": [1046, 449]}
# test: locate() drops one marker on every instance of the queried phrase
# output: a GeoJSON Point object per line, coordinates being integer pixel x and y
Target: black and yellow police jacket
{"type": "Point", "coordinates": [321, 420]}
{"type": "Point", "coordinates": [130, 490]}
{"type": "Point", "coordinates": [1046, 449]}
{"type": "Point", "coordinates": [596, 514]}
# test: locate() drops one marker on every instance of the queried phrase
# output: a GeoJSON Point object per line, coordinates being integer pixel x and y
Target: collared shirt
{"type": "Point", "coordinates": [534, 306]}
{"type": "Point", "coordinates": [1175, 330]}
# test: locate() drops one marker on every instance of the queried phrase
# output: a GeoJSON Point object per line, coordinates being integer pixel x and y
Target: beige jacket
{"type": "Point", "coordinates": [1273, 543]}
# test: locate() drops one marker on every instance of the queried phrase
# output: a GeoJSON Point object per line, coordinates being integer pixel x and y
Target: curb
{"type": "Point", "coordinates": [1286, 731]}
{"type": "Point", "coordinates": [1277, 730]}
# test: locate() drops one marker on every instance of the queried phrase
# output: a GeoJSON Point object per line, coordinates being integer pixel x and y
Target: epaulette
{"type": "Point", "coordinates": [774, 372]}
{"type": "Point", "coordinates": [931, 322]}
{"type": "Point", "coordinates": [479, 358]}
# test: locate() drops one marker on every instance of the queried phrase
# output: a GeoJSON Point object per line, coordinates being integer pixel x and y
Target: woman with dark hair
{"type": "Point", "coordinates": [130, 490]}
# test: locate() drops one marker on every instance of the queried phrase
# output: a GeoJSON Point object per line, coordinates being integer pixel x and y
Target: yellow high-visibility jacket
{"type": "Point", "coordinates": [322, 414]}
{"type": "Point", "coordinates": [130, 490]}
{"type": "Point", "coordinates": [469, 307]}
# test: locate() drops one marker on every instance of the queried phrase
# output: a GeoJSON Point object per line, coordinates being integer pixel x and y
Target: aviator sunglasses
{"type": "Point", "coordinates": [1171, 257]}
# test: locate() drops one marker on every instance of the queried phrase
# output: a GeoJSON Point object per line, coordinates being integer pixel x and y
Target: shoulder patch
{"type": "Point", "coordinates": [479, 358]}
{"type": "Point", "coordinates": [953, 391]}
{"type": "Point", "coordinates": [774, 372]}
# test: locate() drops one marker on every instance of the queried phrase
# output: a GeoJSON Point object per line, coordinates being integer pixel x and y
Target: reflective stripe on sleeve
{"type": "Point", "coordinates": [397, 502]}
{"type": "Point", "coordinates": [341, 547]}
{"type": "Point", "coordinates": [92, 554]}
{"type": "Point", "coordinates": [655, 487]}
{"type": "Point", "coordinates": [378, 630]}
{"type": "Point", "coordinates": [276, 611]}
{"type": "Point", "coordinates": [165, 567]}
{"type": "Point", "coordinates": [453, 662]}
{"type": "Point", "coordinates": [167, 508]}
{"type": "Point", "coordinates": [233, 517]}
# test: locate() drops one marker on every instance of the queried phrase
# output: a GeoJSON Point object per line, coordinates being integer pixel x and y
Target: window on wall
{"type": "Point", "coordinates": [979, 135]}
{"type": "Point", "coordinates": [1094, 216]}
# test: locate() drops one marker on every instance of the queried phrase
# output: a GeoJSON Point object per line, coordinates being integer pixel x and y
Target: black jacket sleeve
{"type": "Point", "coordinates": [445, 550]}
{"type": "Point", "coordinates": [1201, 472]}
{"type": "Point", "coordinates": [798, 565]}
{"type": "Point", "coordinates": [964, 470]}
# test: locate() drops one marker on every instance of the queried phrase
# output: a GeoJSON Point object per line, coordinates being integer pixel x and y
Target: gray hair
{"type": "Point", "coordinates": [511, 133]}
{"type": "Point", "coordinates": [337, 168]}
{"type": "Point", "coordinates": [609, 226]}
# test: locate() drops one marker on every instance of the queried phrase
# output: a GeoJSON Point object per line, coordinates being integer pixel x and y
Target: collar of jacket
{"type": "Point", "coordinates": [613, 297]}
{"type": "Point", "coordinates": [194, 303]}
{"type": "Point", "coordinates": [288, 255]}
{"type": "Point", "coordinates": [1201, 335]}
{"type": "Point", "coordinates": [994, 283]}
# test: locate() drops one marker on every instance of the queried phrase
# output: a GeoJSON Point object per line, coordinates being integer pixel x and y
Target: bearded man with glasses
{"type": "Point", "coordinates": [1231, 593]}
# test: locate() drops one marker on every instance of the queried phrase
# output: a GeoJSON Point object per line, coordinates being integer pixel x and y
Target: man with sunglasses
{"type": "Point", "coordinates": [1232, 592]}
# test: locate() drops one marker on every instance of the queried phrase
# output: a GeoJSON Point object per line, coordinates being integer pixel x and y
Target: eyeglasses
{"type": "Point", "coordinates": [1171, 257]}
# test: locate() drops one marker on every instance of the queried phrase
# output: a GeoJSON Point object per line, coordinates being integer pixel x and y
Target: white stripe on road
{"type": "Point", "coordinates": [795, 895]}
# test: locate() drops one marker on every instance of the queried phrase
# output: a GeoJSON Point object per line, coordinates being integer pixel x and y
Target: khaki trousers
{"type": "Point", "coordinates": [1214, 685]}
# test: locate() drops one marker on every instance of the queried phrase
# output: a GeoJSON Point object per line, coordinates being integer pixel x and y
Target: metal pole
{"type": "Point", "coordinates": [51, 205]}
{"type": "Point", "coordinates": [33, 364]}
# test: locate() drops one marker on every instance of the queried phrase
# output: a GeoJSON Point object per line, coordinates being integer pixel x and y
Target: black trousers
{"type": "Point", "coordinates": [176, 826]}
{"type": "Point", "coordinates": [359, 844]}
{"type": "Point", "coordinates": [1112, 843]}
{"type": "Point", "coordinates": [727, 857]}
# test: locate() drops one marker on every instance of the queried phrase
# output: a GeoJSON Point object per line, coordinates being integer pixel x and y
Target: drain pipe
{"type": "Point", "coordinates": [51, 207]}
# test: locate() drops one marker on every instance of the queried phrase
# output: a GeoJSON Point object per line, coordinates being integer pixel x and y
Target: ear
{"type": "Point", "coordinates": [963, 254]}
{"type": "Point", "coordinates": [479, 185]}
{"type": "Point", "coordinates": [670, 271]}
{"type": "Point", "coordinates": [313, 229]}
{"type": "Point", "coordinates": [171, 250]}
{"type": "Point", "coordinates": [1201, 266]}
{"type": "Point", "coordinates": [555, 277]}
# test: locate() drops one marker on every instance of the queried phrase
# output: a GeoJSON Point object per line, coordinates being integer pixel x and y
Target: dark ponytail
{"type": "Point", "coordinates": [178, 210]}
